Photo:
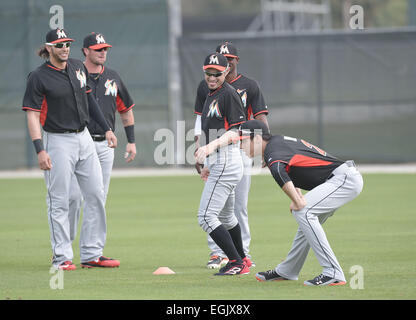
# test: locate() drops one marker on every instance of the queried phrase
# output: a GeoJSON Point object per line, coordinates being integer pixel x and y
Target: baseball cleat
{"type": "Point", "coordinates": [101, 262]}
{"type": "Point", "coordinates": [216, 262]}
{"type": "Point", "coordinates": [269, 275]}
{"type": "Point", "coordinates": [67, 265]}
{"type": "Point", "coordinates": [323, 280]}
{"type": "Point", "coordinates": [248, 262]}
{"type": "Point", "coordinates": [233, 268]}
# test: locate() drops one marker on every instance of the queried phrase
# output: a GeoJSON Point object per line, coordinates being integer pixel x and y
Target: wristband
{"type": "Point", "coordinates": [38, 145]}
{"type": "Point", "coordinates": [130, 133]}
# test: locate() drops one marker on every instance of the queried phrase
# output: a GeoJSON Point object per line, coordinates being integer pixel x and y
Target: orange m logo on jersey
{"type": "Point", "coordinates": [110, 88]}
{"type": "Point", "coordinates": [214, 110]}
{"type": "Point", "coordinates": [81, 77]}
{"type": "Point", "coordinates": [243, 96]}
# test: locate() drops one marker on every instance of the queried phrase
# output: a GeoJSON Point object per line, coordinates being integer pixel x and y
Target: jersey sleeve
{"type": "Point", "coordinates": [34, 95]}
{"type": "Point", "coordinates": [233, 110]}
{"type": "Point", "coordinates": [278, 171]}
{"type": "Point", "coordinates": [278, 162]}
{"type": "Point", "coordinates": [257, 102]}
{"type": "Point", "coordinates": [124, 101]}
{"type": "Point", "coordinates": [201, 96]}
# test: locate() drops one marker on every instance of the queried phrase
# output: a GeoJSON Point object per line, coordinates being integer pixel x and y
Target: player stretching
{"type": "Point", "coordinates": [296, 164]}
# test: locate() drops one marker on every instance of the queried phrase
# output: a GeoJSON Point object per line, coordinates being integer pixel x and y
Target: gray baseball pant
{"type": "Point", "coordinates": [217, 200]}
{"type": "Point", "coordinates": [74, 154]}
{"type": "Point", "coordinates": [321, 203]}
{"type": "Point", "coordinates": [240, 209]}
{"type": "Point", "coordinates": [106, 157]}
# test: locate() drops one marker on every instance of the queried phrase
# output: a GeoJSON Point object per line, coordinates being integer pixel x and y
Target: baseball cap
{"type": "Point", "coordinates": [228, 50]}
{"type": "Point", "coordinates": [57, 35]}
{"type": "Point", "coordinates": [95, 41]}
{"type": "Point", "coordinates": [216, 61]}
{"type": "Point", "coordinates": [251, 127]}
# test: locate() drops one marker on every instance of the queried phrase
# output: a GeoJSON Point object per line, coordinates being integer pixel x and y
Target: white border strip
{"type": "Point", "coordinates": [160, 172]}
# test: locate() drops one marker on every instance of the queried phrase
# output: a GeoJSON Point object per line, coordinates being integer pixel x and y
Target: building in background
{"type": "Point", "coordinates": [321, 79]}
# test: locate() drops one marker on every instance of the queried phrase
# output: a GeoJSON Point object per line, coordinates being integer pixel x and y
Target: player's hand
{"type": "Point", "coordinates": [44, 160]}
{"type": "Point", "coordinates": [299, 205]}
{"type": "Point", "coordinates": [130, 152]}
{"type": "Point", "coordinates": [111, 139]}
{"type": "Point", "coordinates": [201, 153]}
{"type": "Point", "coordinates": [204, 174]}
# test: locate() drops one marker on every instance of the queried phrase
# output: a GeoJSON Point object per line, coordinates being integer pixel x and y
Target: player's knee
{"type": "Point", "coordinates": [96, 193]}
{"type": "Point", "coordinates": [75, 195]}
{"type": "Point", "coordinates": [302, 216]}
{"type": "Point", "coordinates": [359, 184]}
{"type": "Point", "coordinates": [228, 222]}
{"type": "Point", "coordinates": [208, 222]}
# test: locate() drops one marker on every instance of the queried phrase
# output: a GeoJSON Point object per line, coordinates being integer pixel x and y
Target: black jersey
{"type": "Point", "coordinates": [222, 110]}
{"type": "Point", "coordinates": [251, 96]}
{"type": "Point", "coordinates": [111, 95]}
{"type": "Point", "coordinates": [306, 165]}
{"type": "Point", "coordinates": [59, 95]}
{"type": "Point", "coordinates": [249, 91]}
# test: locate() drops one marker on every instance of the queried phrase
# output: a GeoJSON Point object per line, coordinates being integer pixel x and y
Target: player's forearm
{"type": "Point", "coordinates": [33, 124]}
{"type": "Point", "coordinates": [293, 194]}
{"type": "Point", "coordinates": [230, 136]}
{"type": "Point", "coordinates": [127, 118]}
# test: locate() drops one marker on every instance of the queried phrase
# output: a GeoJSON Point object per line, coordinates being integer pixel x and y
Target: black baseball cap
{"type": "Point", "coordinates": [252, 127]}
{"type": "Point", "coordinates": [228, 50]}
{"type": "Point", "coordinates": [216, 61]}
{"type": "Point", "coordinates": [95, 41]}
{"type": "Point", "coordinates": [57, 35]}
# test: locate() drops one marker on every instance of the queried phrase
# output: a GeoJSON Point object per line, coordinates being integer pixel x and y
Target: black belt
{"type": "Point", "coordinates": [81, 129]}
{"type": "Point", "coordinates": [98, 137]}
{"type": "Point", "coordinates": [76, 130]}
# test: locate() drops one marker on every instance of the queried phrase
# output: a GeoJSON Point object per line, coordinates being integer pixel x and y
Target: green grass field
{"type": "Point", "coordinates": [152, 223]}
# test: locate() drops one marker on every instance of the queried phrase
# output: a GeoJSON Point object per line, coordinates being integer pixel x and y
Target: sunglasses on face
{"type": "Point", "coordinates": [102, 49]}
{"type": "Point", "coordinates": [60, 45]}
{"type": "Point", "coordinates": [216, 75]}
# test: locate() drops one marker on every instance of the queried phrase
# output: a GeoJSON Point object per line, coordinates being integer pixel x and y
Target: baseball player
{"type": "Point", "coordinates": [112, 95]}
{"type": "Point", "coordinates": [296, 164]}
{"type": "Point", "coordinates": [254, 107]}
{"type": "Point", "coordinates": [223, 167]}
{"type": "Point", "coordinates": [58, 99]}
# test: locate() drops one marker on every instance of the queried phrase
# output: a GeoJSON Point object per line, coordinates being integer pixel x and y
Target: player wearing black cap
{"type": "Point", "coordinates": [58, 99]}
{"type": "Point", "coordinates": [254, 107]}
{"type": "Point", "coordinates": [223, 168]}
{"type": "Point", "coordinates": [113, 96]}
{"type": "Point", "coordinates": [296, 164]}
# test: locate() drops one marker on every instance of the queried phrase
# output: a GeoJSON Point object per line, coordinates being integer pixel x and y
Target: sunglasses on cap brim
{"type": "Point", "coordinates": [59, 45]}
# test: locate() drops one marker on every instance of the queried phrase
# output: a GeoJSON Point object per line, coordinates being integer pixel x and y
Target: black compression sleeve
{"type": "Point", "coordinates": [38, 144]}
{"type": "Point", "coordinates": [278, 170]}
{"type": "Point", "coordinates": [130, 133]}
{"type": "Point", "coordinates": [96, 113]}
